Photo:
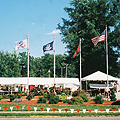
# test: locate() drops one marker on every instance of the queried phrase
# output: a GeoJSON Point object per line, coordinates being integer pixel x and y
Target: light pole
{"type": "Point", "coordinates": [66, 70]}
{"type": "Point", "coordinates": [61, 72]}
{"type": "Point", "coordinates": [40, 73]}
{"type": "Point", "coordinates": [49, 72]}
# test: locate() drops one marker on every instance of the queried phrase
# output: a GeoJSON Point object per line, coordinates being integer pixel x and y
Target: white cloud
{"type": "Point", "coordinates": [33, 23]}
{"type": "Point", "coordinates": [54, 32]}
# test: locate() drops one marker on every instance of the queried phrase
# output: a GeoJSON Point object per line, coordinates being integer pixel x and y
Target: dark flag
{"type": "Point", "coordinates": [48, 47]}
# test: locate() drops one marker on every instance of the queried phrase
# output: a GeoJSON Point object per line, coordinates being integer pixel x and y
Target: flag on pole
{"type": "Point", "coordinates": [21, 44]}
{"type": "Point", "coordinates": [100, 38]}
{"type": "Point", "coordinates": [78, 50]}
{"type": "Point", "coordinates": [48, 47]}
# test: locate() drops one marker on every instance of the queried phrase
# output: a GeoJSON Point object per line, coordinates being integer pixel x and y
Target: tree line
{"type": "Point", "coordinates": [13, 65]}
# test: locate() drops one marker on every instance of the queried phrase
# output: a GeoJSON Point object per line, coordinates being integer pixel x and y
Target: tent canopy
{"type": "Point", "coordinates": [99, 76]}
{"type": "Point", "coordinates": [72, 83]}
{"type": "Point", "coordinates": [37, 80]}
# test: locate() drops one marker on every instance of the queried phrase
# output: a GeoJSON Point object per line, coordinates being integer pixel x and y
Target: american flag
{"type": "Point", "coordinates": [99, 38]}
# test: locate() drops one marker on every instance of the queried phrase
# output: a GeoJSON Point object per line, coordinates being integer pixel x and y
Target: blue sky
{"type": "Point", "coordinates": [38, 17]}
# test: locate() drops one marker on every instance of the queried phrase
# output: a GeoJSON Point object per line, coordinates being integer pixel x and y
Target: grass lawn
{"type": "Point", "coordinates": [25, 107]}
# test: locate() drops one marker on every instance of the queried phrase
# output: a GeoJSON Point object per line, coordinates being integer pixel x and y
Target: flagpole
{"type": "Point", "coordinates": [80, 64]}
{"type": "Point", "coordinates": [107, 57]}
{"type": "Point", "coordinates": [54, 63]}
{"type": "Point", "coordinates": [28, 65]}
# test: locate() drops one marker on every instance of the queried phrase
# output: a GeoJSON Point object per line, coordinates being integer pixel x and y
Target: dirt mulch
{"type": "Point", "coordinates": [34, 102]}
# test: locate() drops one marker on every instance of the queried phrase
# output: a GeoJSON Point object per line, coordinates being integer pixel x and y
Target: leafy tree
{"type": "Point", "coordinates": [112, 95]}
{"type": "Point", "coordinates": [87, 19]}
{"type": "Point", "coordinates": [38, 66]}
{"type": "Point", "coordinates": [23, 63]}
{"type": "Point", "coordinates": [16, 68]}
{"type": "Point", "coordinates": [9, 65]}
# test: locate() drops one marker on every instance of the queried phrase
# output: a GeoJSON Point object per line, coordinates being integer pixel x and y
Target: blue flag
{"type": "Point", "coordinates": [48, 47]}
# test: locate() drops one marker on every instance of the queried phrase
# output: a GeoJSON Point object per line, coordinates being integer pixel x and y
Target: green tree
{"type": "Point", "coordinates": [119, 68]}
{"type": "Point", "coordinates": [15, 65]}
{"type": "Point", "coordinates": [112, 95]}
{"type": "Point", "coordinates": [38, 66]}
{"type": "Point", "coordinates": [23, 63]}
{"type": "Point", "coordinates": [87, 19]}
{"type": "Point", "coordinates": [9, 65]}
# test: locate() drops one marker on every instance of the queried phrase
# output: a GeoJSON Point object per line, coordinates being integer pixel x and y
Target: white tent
{"type": "Point", "coordinates": [99, 76]}
{"type": "Point", "coordinates": [72, 83]}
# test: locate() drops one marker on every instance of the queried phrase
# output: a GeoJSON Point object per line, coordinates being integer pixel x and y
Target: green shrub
{"type": "Point", "coordinates": [76, 100]}
{"type": "Point", "coordinates": [19, 91]}
{"type": "Point", "coordinates": [58, 92]}
{"type": "Point", "coordinates": [112, 95]}
{"type": "Point", "coordinates": [66, 92]}
{"type": "Point", "coordinates": [84, 97]}
{"type": "Point", "coordinates": [66, 101]}
{"type": "Point", "coordinates": [12, 97]}
{"type": "Point", "coordinates": [98, 99]}
{"type": "Point", "coordinates": [42, 100]}
{"type": "Point", "coordinates": [24, 93]}
{"type": "Point", "coordinates": [30, 96]}
{"type": "Point", "coordinates": [75, 93]}
{"type": "Point", "coordinates": [54, 99]}
{"type": "Point", "coordinates": [6, 96]}
{"type": "Point", "coordinates": [62, 97]}
{"type": "Point", "coordinates": [41, 92]}
{"type": "Point", "coordinates": [50, 95]}
{"type": "Point", "coordinates": [18, 95]}
{"type": "Point", "coordinates": [46, 95]}
{"type": "Point", "coordinates": [1, 97]}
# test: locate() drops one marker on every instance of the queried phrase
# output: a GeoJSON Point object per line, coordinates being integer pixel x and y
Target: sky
{"type": "Point", "coordinates": [38, 17]}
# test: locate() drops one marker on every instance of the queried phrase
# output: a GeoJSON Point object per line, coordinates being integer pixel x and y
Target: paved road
{"type": "Point", "coordinates": [64, 118]}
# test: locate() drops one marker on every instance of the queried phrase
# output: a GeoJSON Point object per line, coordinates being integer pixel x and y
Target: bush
{"type": "Point", "coordinates": [41, 92]}
{"type": "Point", "coordinates": [112, 95]}
{"type": "Point", "coordinates": [49, 95]}
{"type": "Point", "coordinates": [58, 92]}
{"type": "Point", "coordinates": [54, 99]}
{"type": "Point", "coordinates": [75, 93]}
{"type": "Point", "coordinates": [24, 93]}
{"type": "Point", "coordinates": [62, 97]}
{"type": "Point", "coordinates": [19, 91]}
{"type": "Point", "coordinates": [46, 95]}
{"type": "Point", "coordinates": [12, 97]}
{"type": "Point", "coordinates": [84, 97]}
{"type": "Point", "coordinates": [76, 100]}
{"type": "Point", "coordinates": [66, 92]}
{"type": "Point", "coordinates": [30, 96]}
{"type": "Point", "coordinates": [98, 99]}
{"type": "Point", "coordinates": [1, 97]}
{"type": "Point", "coordinates": [42, 100]}
{"type": "Point", "coordinates": [18, 96]}
{"type": "Point", "coordinates": [6, 96]}
{"type": "Point", "coordinates": [66, 101]}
